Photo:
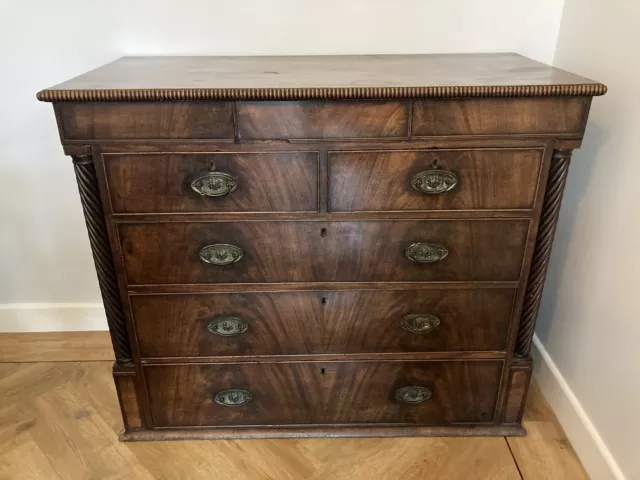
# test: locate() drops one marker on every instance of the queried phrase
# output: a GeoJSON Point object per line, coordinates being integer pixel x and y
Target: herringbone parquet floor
{"type": "Point", "coordinates": [61, 420]}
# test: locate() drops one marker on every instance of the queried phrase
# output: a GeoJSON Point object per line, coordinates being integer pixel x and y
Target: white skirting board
{"type": "Point", "coordinates": [581, 432]}
{"type": "Point", "coordinates": [52, 317]}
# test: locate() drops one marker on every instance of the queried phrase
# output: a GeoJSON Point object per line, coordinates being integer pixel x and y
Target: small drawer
{"type": "Point", "coordinates": [416, 180]}
{"type": "Point", "coordinates": [500, 116]}
{"type": "Point", "coordinates": [288, 251]}
{"type": "Point", "coordinates": [334, 322]}
{"type": "Point", "coordinates": [213, 182]}
{"type": "Point", "coordinates": [323, 120]}
{"type": "Point", "coordinates": [404, 393]}
{"type": "Point", "coordinates": [146, 120]}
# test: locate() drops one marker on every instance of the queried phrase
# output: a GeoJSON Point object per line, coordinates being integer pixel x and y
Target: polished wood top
{"type": "Point", "coordinates": [321, 77]}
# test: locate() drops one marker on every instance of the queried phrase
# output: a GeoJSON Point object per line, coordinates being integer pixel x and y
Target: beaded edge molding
{"type": "Point", "coordinates": [205, 94]}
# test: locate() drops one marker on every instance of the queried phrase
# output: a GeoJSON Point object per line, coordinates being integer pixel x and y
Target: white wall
{"type": "Point", "coordinates": [44, 253]}
{"type": "Point", "coordinates": [589, 323]}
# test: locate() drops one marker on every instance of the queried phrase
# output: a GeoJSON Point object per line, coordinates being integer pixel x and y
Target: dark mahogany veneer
{"type": "Point", "coordinates": [321, 246]}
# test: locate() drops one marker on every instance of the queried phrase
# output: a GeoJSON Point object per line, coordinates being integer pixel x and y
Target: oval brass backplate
{"type": "Point", "coordinates": [221, 254]}
{"type": "Point", "coordinates": [228, 326]}
{"type": "Point", "coordinates": [434, 182]}
{"type": "Point", "coordinates": [420, 323]}
{"type": "Point", "coordinates": [426, 252]}
{"type": "Point", "coordinates": [214, 184]}
{"type": "Point", "coordinates": [232, 398]}
{"type": "Point", "coordinates": [413, 394]}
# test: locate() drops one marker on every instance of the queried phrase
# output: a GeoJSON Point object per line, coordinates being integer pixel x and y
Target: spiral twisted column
{"type": "Point", "coordinates": [102, 257]}
{"type": "Point", "coordinates": [542, 251]}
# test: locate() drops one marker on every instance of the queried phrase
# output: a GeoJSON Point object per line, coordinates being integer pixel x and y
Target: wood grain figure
{"type": "Point", "coordinates": [170, 253]}
{"type": "Point", "coordinates": [321, 322]}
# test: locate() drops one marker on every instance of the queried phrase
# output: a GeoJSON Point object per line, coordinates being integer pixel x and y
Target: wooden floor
{"type": "Point", "coordinates": [60, 420]}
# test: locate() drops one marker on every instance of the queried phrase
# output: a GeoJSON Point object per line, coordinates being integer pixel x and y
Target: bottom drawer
{"type": "Point", "coordinates": [304, 393]}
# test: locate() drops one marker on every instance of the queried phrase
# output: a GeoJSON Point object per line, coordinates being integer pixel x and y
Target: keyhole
{"type": "Point", "coordinates": [323, 232]}
{"type": "Point", "coordinates": [436, 163]}
{"type": "Point", "coordinates": [322, 371]}
{"type": "Point", "coordinates": [212, 166]}
{"type": "Point", "coordinates": [323, 301]}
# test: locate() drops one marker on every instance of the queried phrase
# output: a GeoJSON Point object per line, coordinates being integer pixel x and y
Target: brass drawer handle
{"type": "Point", "coordinates": [413, 394]}
{"type": "Point", "coordinates": [221, 254]}
{"type": "Point", "coordinates": [232, 398]}
{"type": "Point", "coordinates": [426, 252]}
{"type": "Point", "coordinates": [434, 181]}
{"type": "Point", "coordinates": [228, 326]}
{"type": "Point", "coordinates": [214, 184]}
{"type": "Point", "coordinates": [420, 323]}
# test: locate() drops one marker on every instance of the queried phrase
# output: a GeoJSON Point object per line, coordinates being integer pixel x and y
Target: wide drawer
{"type": "Point", "coordinates": [329, 322]}
{"type": "Point", "coordinates": [213, 182]}
{"type": "Point", "coordinates": [323, 393]}
{"type": "Point", "coordinates": [323, 120]}
{"type": "Point", "coordinates": [248, 252]}
{"type": "Point", "coordinates": [400, 180]}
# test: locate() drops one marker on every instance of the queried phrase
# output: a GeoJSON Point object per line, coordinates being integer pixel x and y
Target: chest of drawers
{"type": "Point", "coordinates": [321, 246]}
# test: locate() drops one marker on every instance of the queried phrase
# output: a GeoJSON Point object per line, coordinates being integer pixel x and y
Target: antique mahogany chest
{"type": "Point", "coordinates": [321, 246]}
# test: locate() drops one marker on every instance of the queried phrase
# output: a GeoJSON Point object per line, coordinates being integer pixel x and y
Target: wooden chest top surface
{"type": "Point", "coordinates": [308, 77]}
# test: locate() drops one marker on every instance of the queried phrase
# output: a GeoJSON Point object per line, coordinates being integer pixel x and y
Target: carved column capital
{"type": "Point", "coordinates": [81, 159]}
{"type": "Point", "coordinates": [546, 230]}
{"type": "Point", "coordinates": [102, 256]}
